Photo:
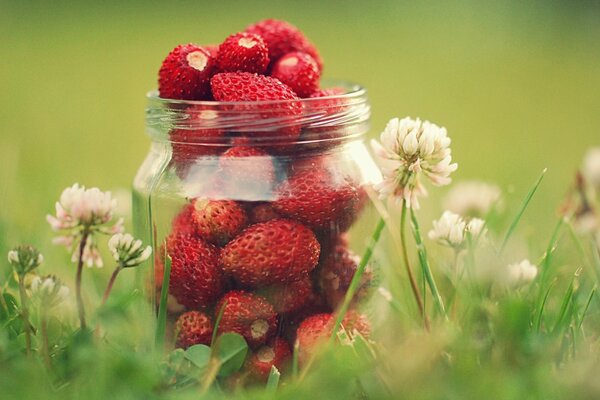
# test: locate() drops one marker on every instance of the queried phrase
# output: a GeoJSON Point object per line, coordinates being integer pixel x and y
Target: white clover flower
{"type": "Point", "coordinates": [83, 212]}
{"type": "Point", "coordinates": [24, 259]}
{"type": "Point", "coordinates": [452, 230]}
{"type": "Point", "coordinates": [49, 291]}
{"type": "Point", "coordinates": [127, 251]}
{"type": "Point", "coordinates": [472, 198]}
{"type": "Point", "coordinates": [409, 149]}
{"type": "Point", "coordinates": [591, 166]}
{"type": "Point", "coordinates": [520, 273]}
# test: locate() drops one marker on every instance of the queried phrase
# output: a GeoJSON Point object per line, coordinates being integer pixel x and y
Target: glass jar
{"type": "Point", "coordinates": [261, 209]}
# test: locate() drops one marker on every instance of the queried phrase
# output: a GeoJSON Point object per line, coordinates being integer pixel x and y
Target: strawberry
{"type": "Point", "coordinates": [246, 172]}
{"type": "Point", "coordinates": [275, 353]}
{"type": "Point", "coordinates": [289, 297]}
{"type": "Point", "coordinates": [243, 52]}
{"type": "Point", "coordinates": [193, 327]}
{"type": "Point", "coordinates": [248, 87]}
{"type": "Point", "coordinates": [276, 251]}
{"type": "Point", "coordinates": [185, 73]}
{"type": "Point", "coordinates": [213, 50]}
{"type": "Point", "coordinates": [218, 221]}
{"type": "Point", "coordinates": [328, 92]}
{"type": "Point", "coordinates": [317, 328]}
{"type": "Point", "coordinates": [250, 315]}
{"type": "Point", "coordinates": [197, 135]}
{"type": "Point", "coordinates": [196, 280]}
{"type": "Point", "coordinates": [318, 198]}
{"type": "Point", "coordinates": [183, 223]}
{"type": "Point", "coordinates": [281, 38]}
{"type": "Point", "coordinates": [299, 71]}
{"type": "Point", "coordinates": [335, 273]}
{"type": "Point", "coordinates": [263, 212]}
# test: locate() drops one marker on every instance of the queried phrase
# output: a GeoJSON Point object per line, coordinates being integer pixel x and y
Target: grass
{"type": "Point", "coordinates": [515, 84]}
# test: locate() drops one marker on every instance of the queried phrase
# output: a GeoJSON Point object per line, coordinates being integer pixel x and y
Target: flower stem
{"type": "Point", "coordinates": [78, 296]}
{"type": "Point", "coordinates": [355, 282]}
{"type": "Point", "coordinates": [411, 278]}
{"type": "Point", "coordinates": [25, 314]}
{"type": "Point", "coordinates": [45, 345]}
{"type": "Point", "coordinates": [425, 265]}
{"type": "Point", "coordinates": [111, 282]}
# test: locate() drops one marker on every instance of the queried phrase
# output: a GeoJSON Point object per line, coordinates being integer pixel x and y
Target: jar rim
{"type": "Point", "coordinates": [339, 116]}
{"type": "Point", "coordinates": [354, 91]}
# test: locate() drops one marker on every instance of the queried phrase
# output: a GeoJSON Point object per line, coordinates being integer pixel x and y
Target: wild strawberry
{"type": "Point", "coordinates": [183, 223]}
{"type": "Point", "coordinates": [335, 273]}
{"type": "Point", "coordinates": [218, 221]}
{"type": "Point", "coordinates": [243, 52]}
{"type": "Point", "coordinates": [173, 307]}
{"type": "Point", "coordinates": [315, 329]}
{"type": "Point", "coordinates": [193, 327]}
{"type": "Point", "coordinates": [328, 92]}
{"type": "Point", "coordinates": [275, 353]}
{"type": "Point", "coordinates": [185, 73]}
{"type": "Point", "coordinates": [196, 280]}
{"type": "Point", "coordinates": [246, 172]}
{"type": "Point", "coordinates": [299, 71]}
{"type": "Point", "coordinates": [213, 49]}
{"type": "Point", "coordinates": [250, 315]}
{"type": "Point", "coordinates": [276, 251]}
{"type": "Point", "coordinates": [289, 297]}
{"type": "Point", "coordinates": [195, 136]}
{"type": "Point", "coordinates": [248, 87]}
{"type": "Point", "coordinates": [318, 198]}
{"type": "Point", "coordinates": [281, 38]}
{"type": "Point", "coordinates": [262, 213]}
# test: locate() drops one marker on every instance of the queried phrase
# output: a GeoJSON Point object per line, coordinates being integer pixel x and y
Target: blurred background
{"type": "Point", "coordinates": [517, 84]}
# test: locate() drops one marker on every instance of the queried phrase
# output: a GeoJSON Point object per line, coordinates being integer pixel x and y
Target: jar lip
{"type": "Point", "coordinates": [354, 91]}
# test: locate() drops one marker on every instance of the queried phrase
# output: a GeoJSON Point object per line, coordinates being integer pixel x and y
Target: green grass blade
{"type": "Point", "coordinates": [217, 323]}
{"type": "Point", "coordinates": [587, 306]}
{"type": "Point", "coordinates": [522, 209]}
{"type": "Point", "coordinates": [295, 360]}
{"type": "Point", "coordinates": [162, 308]}
{"type": "Point", "coordinates": [424, 261]}
{"type": "Point", "coordinates": [542, 306]}
{"type": "Point", "coordinates": [564, 307]}
{"type": "Point", "coordinates": [355, 282]}
{"type": "Point", "coordinates": [273, 381]}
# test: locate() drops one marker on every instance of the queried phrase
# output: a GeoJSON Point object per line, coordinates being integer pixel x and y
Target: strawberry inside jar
{"type": "Point", "coordinates": [255, 193]}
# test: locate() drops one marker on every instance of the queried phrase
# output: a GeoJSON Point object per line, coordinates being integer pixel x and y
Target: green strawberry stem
{"type": "Point", "coordinates": [411, 278]}
{"type": "Point", "coordinates": [355, 282]}
{"type": "Point", "coordinates": [422, 252]}
{"type": "Point", "coordinates": [162, 308]}
{"type": "Point", "coordinates": [79, 298]}
{"type": "Point", "coordinates": [25, 314]}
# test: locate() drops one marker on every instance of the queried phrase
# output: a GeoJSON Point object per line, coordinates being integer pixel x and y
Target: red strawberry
{"type": "Point", "coordinates": [314, 330]}
{"type": "Point", "coordinates": [183, 222]}
{"type": "Point", "coordinates": [328, 92]}
{"type": "Point", "coordinates": [275, 353]}
{"type": "Point", "coordinates": [173, 307]}
{"type": "Point", "coordinates": [318, 198]}
{"type": "Point", "coordinates": [185, 73]}
{"type": "Point", "coordinates": [197, 135]}
{"type": "Point", "coordinates": [213, 49]}
{"type": "Point", "coordinates": [243, 52]}
{"type": "Point", "coordinates": [248, 87]}
{"type": "Point", "coordinates": [335, 273]}
{"type": "Point", "coordinates": [246, 173]}
{"type": "Point", "coordinates": [277, 251]}
{"type": "Point", "coordinates": [290, 297]}
{"type": "Point", "coordinates": [262, 213]}
{"type": "Point", "coordinates": [193, 327]}
{"type": "Point", "coordinates": [218, 221]}
{"type": "Point", "coordinates": [299, 71]}
{"type": "Point", "coordinates": [196, 280]}
{"type": "Point", "coordinates": [250, 315]}
{"type": "Point", "coordinates": [281, 38]}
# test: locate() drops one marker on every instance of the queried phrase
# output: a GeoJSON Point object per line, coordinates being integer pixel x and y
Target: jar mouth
{"type": "Point", "coordinates": [338, 116]}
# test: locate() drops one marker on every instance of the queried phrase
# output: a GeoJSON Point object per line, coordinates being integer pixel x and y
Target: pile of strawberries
{"type": "Point", "coordinates": [276, 270]}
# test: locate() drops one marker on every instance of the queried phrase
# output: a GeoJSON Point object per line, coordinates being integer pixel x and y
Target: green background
{"type": "Point", "coordinates": [517, 85]}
